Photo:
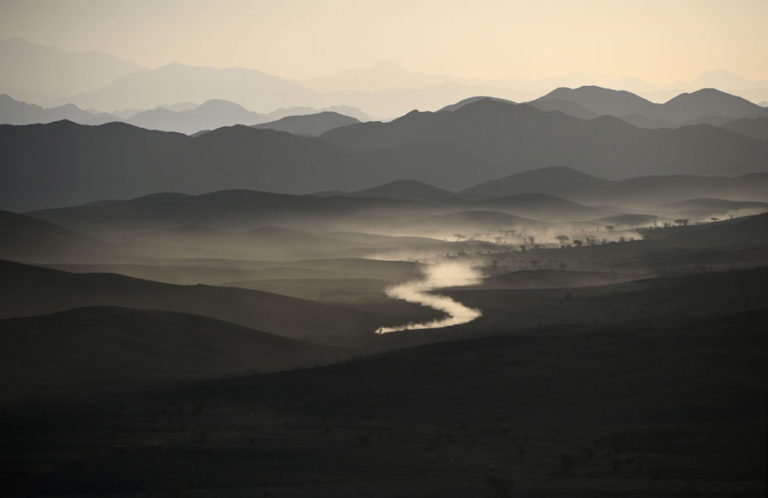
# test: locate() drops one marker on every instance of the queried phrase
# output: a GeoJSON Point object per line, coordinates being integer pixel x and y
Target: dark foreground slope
{"type": "Point", "coordinates": [650, 410]}
{"type": "Point", "coordinates": [100, 349]}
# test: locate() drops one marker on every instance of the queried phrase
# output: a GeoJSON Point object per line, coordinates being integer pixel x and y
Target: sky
{"type": "Point", "coordinates": [658, 41]}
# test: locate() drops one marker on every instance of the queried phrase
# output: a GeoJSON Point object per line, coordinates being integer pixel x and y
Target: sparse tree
{"type": "Point", "coordinates": [682, 221]}
{"type": "Point", "coordinates": [563, 239]}
{"type": "Point", "coordinates": [578, 243]}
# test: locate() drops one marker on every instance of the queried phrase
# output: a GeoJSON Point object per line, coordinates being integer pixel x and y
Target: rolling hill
{"type": "Point", "coordinates": [223, 209]}
{"type": "Point", "coordinates": [552, 180]}
{"type": "Point", "coordinates": [23, 238]}
{"type": "Point", "coordinates": [749, 127]}
{"type": "Point", "coordinates": [409, 190]}
{"type": "Point", "coordinates": [30, 290]}
{"type": "Point", "coordinates": [542, 206]}
{"type": "Point", "coordinates": [97, 349]}
{"type": "Point", "coordinates": [578, 186]}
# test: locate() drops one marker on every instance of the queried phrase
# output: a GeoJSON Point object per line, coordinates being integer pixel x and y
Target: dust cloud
{"type": "Point", "coordinates": [437, 275]}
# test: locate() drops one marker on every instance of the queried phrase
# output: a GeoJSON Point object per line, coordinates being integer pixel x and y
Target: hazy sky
{"type": "Point", "coordinates": [660, 41]}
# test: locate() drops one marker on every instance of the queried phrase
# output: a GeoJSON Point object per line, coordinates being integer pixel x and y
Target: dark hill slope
{"type": "Point", "coordinates": [410, 190]}
{"type": "Point", "coordinates": [23, 238]}
{"type": "Point", "coordinates": [96, 349]}
{"type": "Point", "coordinates": [642, 410]}
{"type": "Point", "coordinates": [227, 208]}
{"type": "Point", "coordinates": [578, 186]}
{"type": "Point", "coordinates": [30, 290]}
{"type": "Point", "coordinates": [750, 127]}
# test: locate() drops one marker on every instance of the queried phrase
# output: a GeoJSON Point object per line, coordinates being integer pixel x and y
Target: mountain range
{"type": "Point", "coordinates": [555, 193]}
{"type": "Point", "coordinates": [188, 119]}
{"type": "Point", "coordinates": [709, 106]}
{"type": "Point", "coordinates": [496, 138]}
{"type": "Point", "coordinates": [52, 77]}
{"type": "Point", "coordinates": [46, 74]}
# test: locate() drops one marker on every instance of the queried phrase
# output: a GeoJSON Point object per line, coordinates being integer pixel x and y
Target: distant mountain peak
{"type": "Point", "coordinates": [473, 100]}
{"type": "Point", "coordinates": [310, 124]}
{"type": "Point", "coordinates": [711, 101]}
{"type": "Point", "coordinates": [411, 190]}
{"type": "Point", "coordinates": [706, 93]}
{"type": "Point", "coordinates": [591, 91]}
{"type": "Point", "coordinates": [220, 104]}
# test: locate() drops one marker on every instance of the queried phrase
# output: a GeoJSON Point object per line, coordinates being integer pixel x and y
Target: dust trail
{"type": "Point", "coordinates": [437, 276]}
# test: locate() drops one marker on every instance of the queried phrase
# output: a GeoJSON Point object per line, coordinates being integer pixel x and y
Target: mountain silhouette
{"type": "Point", "coordinates": [478, 142]}
{"type": "Point", "coordinates": [601, 101]}
{"type": "Point", "coordinates": [574, 185]}
{"type": "Point", "coordinates": [15, 112]}
{"type": "Point", "coordinates": [182, 117]}
{"type": "Point", "coordinates": [179, 83]}
{"type": "Point", "coordinates": [566, 107]}
{"type": "Point", "coordinates": [553, 180]}
{"type": "Point", "coordinates": [493, 135]}
{"type": "Point", "coordinates": [209, 115]}
{"type": "Point", "coordinates": [45, 74]}
{"type": "Point", "coordinates": [377, 134]}
{"type": "Point", "coordinates": [703, 106]}
{"type": "Point", "coordinates": [749, 127]}
{"type": "Point", "coordinates": [309, 124]}
{"type": "Point", "coordinates": [708, 102]}
{"type": "Point", "coordinates": [530, 205]}
{"type": "Point", "coordinates": [409, 190]}
{"type": "Point", "coordinates": [472, 100]}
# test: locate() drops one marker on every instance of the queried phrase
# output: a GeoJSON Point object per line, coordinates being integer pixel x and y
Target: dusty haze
{"type": "Point", "coordinates": [660, 42]}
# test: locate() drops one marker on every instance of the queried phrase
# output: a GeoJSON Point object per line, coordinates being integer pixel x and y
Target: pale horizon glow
{"type": "Point", "coordinates": [659, 42]}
